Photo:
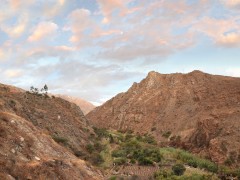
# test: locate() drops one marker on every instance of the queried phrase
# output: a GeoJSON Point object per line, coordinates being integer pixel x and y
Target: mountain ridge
{"type": "Point", "coordinates": [198, 107]}
{"type": "Point", "coordinates": [85, 106]}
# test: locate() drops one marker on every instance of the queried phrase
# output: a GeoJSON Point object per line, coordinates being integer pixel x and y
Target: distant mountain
{"type": "Point", "coordinates": [41, 137]}
{"type": "Point", "coordinates": [196, 111]}
{"type": "Point", "coordinates": [85, 106]}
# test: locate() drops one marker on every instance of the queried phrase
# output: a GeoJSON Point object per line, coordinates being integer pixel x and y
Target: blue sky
{"type": "Point", "coordinates": [95, 49]}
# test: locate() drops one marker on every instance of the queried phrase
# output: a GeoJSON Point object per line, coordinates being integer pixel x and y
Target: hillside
{"type": "Point", "coordinates": [196, 111]}
{"type": "Point", "coordinates": [85, 106]}
{"type": "Point", "coordinates": [39, 136]}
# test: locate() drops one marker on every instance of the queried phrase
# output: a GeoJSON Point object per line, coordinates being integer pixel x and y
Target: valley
{"type": "Point", "coordinates": [176, 126]}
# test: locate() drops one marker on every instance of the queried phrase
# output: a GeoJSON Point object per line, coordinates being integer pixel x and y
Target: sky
{"type": "Point", "coordinates": [95, 49]}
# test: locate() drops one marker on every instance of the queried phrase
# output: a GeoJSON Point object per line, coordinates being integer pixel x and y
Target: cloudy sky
{"type": "Point", "coordinates": [95, 49]}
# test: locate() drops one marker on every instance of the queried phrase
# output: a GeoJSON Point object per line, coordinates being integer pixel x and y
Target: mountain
{"type": "Point", "coordinates": [85, 106]}
{"type": "Point", "coordinates": [196, 111]}
{"type": "Point", "coordinates": [41, 137]}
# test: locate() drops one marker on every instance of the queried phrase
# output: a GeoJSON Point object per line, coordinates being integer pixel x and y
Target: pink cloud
{"type": "Point", "coordinates": [224, 32]}
{"type": "Point", "coordinates": [107, 7]}
{"type": "Point", "coordinates": [42, 31]}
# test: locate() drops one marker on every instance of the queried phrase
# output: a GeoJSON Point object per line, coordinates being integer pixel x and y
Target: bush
{"type": "Point", "coordinates": [149, 139]}
{"type": "Point", "coordinates": [120, 161]}
{"type": "Point", "coordinates": [178, 169]}
{"type": "Point", "coordinates": [60, 140]}
{"type": "Point", "coordinates": [101, 132]}
{"type": "Point", "coordinates": [192, 163]}
{"type": "Point", "coordinates": [118, 153]}
{"type": "Point", "coordinates": [144, 161]}
{"type": "Point", "coordinates": [162, 174]}
{"type": "Point", "coordinates": [98, 147]}
{"type": "Point", "coordinates": [78, 153]}
{"type": "Point", "coordinates": [90, 148]}
{"type": "Point", "coordinates": [166, 134]}
{"type": "Point", "coordinates": [97, 159]}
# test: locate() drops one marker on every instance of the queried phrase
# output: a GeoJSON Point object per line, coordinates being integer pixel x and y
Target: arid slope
{"type": "Point", "coordinates": [29, 126]}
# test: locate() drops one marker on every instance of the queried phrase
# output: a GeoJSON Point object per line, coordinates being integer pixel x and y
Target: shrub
{"type": "Point", "coordinates": [133, 161]}
{"type": "Point", "coordinates": [101, 132]}
{"type": "Point", "coordinates": [61, 140]}
{"type": "Point", "coordinates": [120, 161]}
{"type": "Point", "coordinates": [192, 163]}
{"type": "Point", "coordinates": [113, 178]}
{"type": "Point", "coordinates": [97, 159]}
{"type": "Point", "coordinates": [178, 169]}
{"type": "Point", "coordinates": [98, 147]}
{"type": "Point", "coordinates": [118, 153]}
{"type": "Point", "coordinates": [78, 153]}
{"type": "Point", "coordinates": [144, 161]}
{"type": "Point", "coordinates": [149, 139]}
{"type": "Point", "coordinates": [162, 174]}
{"type": "Point", "coordinates": [90, 148]}
{"type": "Point", "coordinates": [166, 134]}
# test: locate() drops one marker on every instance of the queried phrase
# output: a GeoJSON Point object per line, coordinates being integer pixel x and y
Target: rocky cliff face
{"type": "Point", "coordinates": [31, 126]}
{"type": "Point", "coordinates": [200, 110]}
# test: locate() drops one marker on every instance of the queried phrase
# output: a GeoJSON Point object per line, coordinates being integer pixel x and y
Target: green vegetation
{"type": "Point", "coordinates": [60, 140]}
{"type": "Point", "coordinates": [178, 169]}
{"type": "Point", "coordinates": [114, 149]}
{"type": "Point", "coordinates": [195, 161]}
{"type": "Point", "coordinates": [134, 149]}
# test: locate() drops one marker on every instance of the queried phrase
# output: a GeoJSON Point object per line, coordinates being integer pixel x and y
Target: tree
{"type": "Point", "coordinates": [178, 169]}
{"type": "Point", "coordinates": [45, 89]}
{"type": "Point", "coordinates": [34, 90]}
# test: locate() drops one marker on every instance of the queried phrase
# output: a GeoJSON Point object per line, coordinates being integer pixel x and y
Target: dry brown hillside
{"type": "Point", "coordinates": [85, 106]}
{"type": "Point", "coordinates": [29, 124]}
{"type": "Point", "coordinates": [197, 111]}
